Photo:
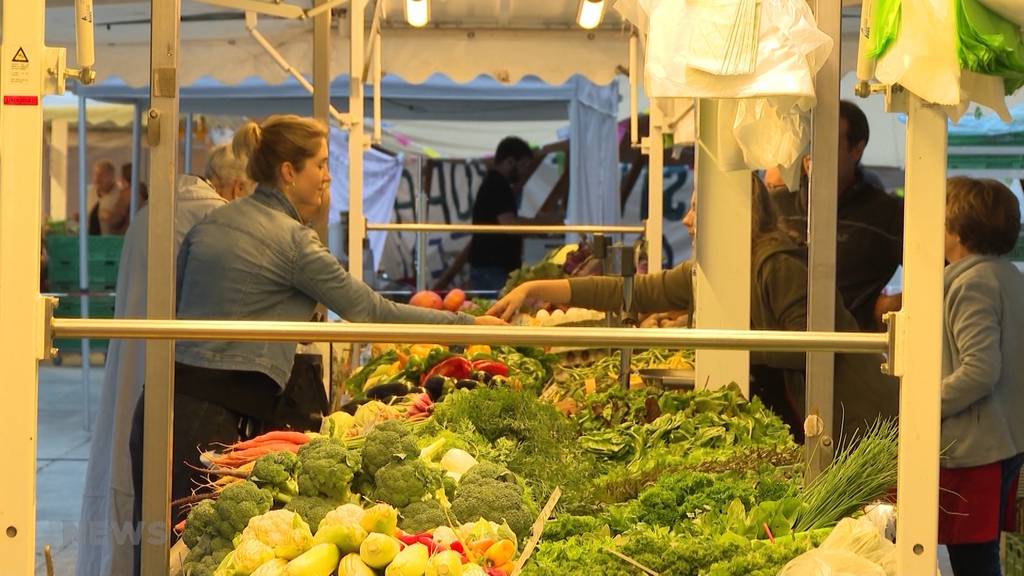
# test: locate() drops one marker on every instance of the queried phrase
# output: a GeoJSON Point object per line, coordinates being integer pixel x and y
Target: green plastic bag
{"type": "Point", "coordinates": [885, 26]}
{"type": "Point", "coordinates": [989, 44]}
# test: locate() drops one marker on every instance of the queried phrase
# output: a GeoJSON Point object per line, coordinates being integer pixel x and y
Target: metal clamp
{"type": "Point", "coordinates": [49, 305]}
{"type": "Point", "coordinates": [891, 323]}
{"type": "Point", "coordinates": [153, 127]}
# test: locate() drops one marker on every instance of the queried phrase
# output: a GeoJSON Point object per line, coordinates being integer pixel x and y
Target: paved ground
{"type": "Point", "coordinates": [63, 453]}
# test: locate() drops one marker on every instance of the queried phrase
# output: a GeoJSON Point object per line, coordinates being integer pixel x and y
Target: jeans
{"type": "Point", "coordinates": [983, 559]}
{"type": "Point", "coordinates": [489, 278]}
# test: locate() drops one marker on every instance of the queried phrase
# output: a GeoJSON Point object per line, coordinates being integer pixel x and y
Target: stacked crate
{"type": "Point", "coordinates": [63, 272]}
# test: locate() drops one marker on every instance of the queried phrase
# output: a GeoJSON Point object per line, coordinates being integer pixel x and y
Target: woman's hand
{"type": "Point", "coordinates": [509, 306]}
{"type": "Point", "coordinates": [489, 321]}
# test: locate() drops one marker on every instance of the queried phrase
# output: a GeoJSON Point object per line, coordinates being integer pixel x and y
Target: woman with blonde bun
{"type": "Point", "coordinates": [258, 259]}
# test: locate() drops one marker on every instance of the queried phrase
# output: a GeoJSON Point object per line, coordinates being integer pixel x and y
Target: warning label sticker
{"type": "Point", "coordinates": [19, 73]}
{"type": "Point", "coordinates": [21, 100]}
{"type": "Point", "coordinates": [20, 56]}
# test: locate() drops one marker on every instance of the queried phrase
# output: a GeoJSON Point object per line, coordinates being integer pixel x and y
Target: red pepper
{"type": "Point", "coordinates": [457, 546]}
{"type": "Point", "coordinates": [408, 539]}
{"type": "Point", "coordinates": [455, 367]}
{"type": "Point", "coordinates": [427, 541]}
{"type": "Point", "coordinates": [492, 367]}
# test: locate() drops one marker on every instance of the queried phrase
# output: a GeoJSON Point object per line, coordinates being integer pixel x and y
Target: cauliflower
{"type": "Point", "coordinates": [276, 472]}
{"type": "Point", "coordinates": [344, 514]}
{"type": "Point", "coordinates": [390, 441]}
{"type": "Point", "coordinates": [422, 516]}
{"type": "Point", "coordinates": [324, 469]}
{"type": "Point", "coordinates": [489, 491]}
{"type": "Point", "coordinates": [283, 531]}
{"type": "Point", "coordinates": [251, 554]}
{"type": "Point", "coordinates": [337, 424]}
{"type": "Point", "coordinates": [457, 462]}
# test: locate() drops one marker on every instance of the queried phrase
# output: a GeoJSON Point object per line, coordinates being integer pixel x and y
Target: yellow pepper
{"type": "Point", "coordinates": [478, 349]}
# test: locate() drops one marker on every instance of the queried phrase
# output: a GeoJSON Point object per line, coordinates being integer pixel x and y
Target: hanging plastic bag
{"type": "Point", "coordinates": [922, 58]}
{"type": "Point", "coordinates": [885, 26]}
{"type": "Point", "coordinates": [854, 548]}
{"type": "Point", "coordinates": [989, 44]}
{"type": "Point", "coordinates": [771, 131]}
{"type": "Point", "coordinates": [790, 50]}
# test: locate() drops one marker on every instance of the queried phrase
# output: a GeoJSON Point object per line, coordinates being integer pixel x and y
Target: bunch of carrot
{"type": "Point", "coordinates": [243, 452]}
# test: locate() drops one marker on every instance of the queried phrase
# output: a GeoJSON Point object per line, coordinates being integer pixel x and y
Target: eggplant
{"type": "Point", "coordinates": [434, 387]}
{"type": "Point", "coordinates": [385, 391]}
{"type": "Point", "coordinates": [466, 384]}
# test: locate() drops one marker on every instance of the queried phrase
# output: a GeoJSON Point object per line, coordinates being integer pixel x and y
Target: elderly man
{"type": "Point", "coordinates": [105, 533]}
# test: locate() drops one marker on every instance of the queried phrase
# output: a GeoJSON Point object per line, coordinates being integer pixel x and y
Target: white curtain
{"type": "Point", "coordinates": [381, 175]}
{"type": "Point", "coordinates": [593, 156]}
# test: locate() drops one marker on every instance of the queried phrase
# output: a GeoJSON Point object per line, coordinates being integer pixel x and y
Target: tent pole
{"type": "Point", "coordinates": [158, 399]}
{"type": "Point", "coordinates": [356, 221]}
{"type": "Point", "coordinates": [322, 95]}
{"type": "Point", "coordinates": [136, 154]}
{"type": "Point", "coordinates": [83, 250]}
{"type": "Point", "coordinates": [823, 200]}
{"type": "Point", "coordinates": [655, 187]}
{"type": "Point", "coordinates": [920, 322]}
{"type": "Point", "coordinates": [21, 137]}
{"type": "Point", "coordinates": [187, 169]}
{"type": "Point", "coordinates": [722, 280]}
{"type": "Point", "coordinates": [421, 237]}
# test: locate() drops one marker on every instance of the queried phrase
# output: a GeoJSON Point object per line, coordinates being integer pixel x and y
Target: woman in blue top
{"type": "Point", "coordinates": [258, 259]}
{"type": "Point", "coordinates": [982, 373]}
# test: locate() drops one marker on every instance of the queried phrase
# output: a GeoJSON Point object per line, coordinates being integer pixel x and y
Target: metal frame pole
{"type": "Point", "coordinates": [83, 251]}
{"type": "Point", "coordinates": [187, 161]}
{"type": "Point", "coordinates": [322, 94]}
{"type": "Point", "coordinates": [356, 137]}
{"type": "Point", "coordinates": [21, 122]}
{"type": "Point", "coordinates": [823, 202]}
{"type": "Point", "coordinates": [260, 331]}
{"type": "Point", "coordinates": [505, 229]}
{"type": "Point", "coordinates": [920, 322]}
{"type": "Point", "coordinates": [421, 237]}
{"type": "Point", "coordinates": [722, 248]}
{"type": "Point", "coordinates": [136, 155]}
{"type": "Point", "coordinates": [159, 389]}
{"type": "Point", "coordinates": [655, 186]}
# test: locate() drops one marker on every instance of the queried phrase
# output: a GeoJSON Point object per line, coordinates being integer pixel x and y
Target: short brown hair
{"type": "Point", "coordinates": [983, 213]}
{"type": "Point", "coordinates": [279, 139]}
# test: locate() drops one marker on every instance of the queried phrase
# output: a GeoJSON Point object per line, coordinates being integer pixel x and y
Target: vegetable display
{"type": "Point", "coordinates": [447, 477]}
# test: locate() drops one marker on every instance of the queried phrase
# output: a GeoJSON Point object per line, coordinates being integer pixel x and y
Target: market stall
{"type": "Point", "coordinates": [716, 531]}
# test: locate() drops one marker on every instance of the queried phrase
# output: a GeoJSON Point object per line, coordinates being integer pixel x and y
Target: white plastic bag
{"type": "Point", "coordinates": [772, 131]}
{"type": "Point", "coordinates": [790, 50]}
{"type": "Point", "coordinates": [854, 548]}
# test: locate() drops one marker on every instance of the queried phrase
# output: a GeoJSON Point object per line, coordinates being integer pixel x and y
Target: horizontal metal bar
{"type": "Point", "coordinates": [501, 229]}
{"type": "Point", "coordinates": [769, 340]}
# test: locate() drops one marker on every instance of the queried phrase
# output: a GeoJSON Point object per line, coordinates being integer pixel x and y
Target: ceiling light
{"type": "Point", "coordinates": [417, 12]}
{"type": "Point", "coordinates": [590, 13]}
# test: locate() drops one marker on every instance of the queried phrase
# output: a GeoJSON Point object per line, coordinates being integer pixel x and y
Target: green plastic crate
{"type": "Point", "coordinates": [1013, 564]}
{"type": "Point", "coordinates": [71, 307]}
{"type": "Point", "coordinates": [104, 260]}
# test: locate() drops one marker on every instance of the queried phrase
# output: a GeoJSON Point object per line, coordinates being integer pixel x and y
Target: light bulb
{"type": "Point", "coordinates": [590, 13]}
{"type": "Point", "coordinates": [417, 12]}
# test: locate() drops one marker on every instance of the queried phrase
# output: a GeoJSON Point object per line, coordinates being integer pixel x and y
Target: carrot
{"type": "Point", "coordinates": [239, 457]}
{"type": "Point", "coordinates": [274, 436]}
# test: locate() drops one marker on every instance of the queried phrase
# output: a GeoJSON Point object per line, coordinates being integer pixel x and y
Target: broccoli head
{"type": "Point", "coordinates": [478, 496]}
{"type": "Point", "coordinates": [275, 472]}
{"type": "Point", "coordinates": [488, 471]}
{"type": "Point", "coordinates": [206, 555]}
{"type": "Point", "coordinates": [312, 509]}
{"type": "Point", "coordinates": [404, 482]}
{"type": "Point", "coordinates": [390, 441]}
{"type": "Point", "coordinates": [323, 469]}
{"type": "Point", "coordinates": [421, 516]}
{"type": "Point", "coordinates": [212, 525]}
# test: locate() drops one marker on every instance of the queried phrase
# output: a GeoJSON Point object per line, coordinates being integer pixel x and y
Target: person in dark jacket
{"type": "Point", "coordinates": [778, 301]}
{"type": "Point", "coordinates": [869, 229]}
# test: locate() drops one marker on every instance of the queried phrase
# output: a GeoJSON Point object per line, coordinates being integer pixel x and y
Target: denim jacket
{"type": "Point", "coordinates": [254, 259]}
